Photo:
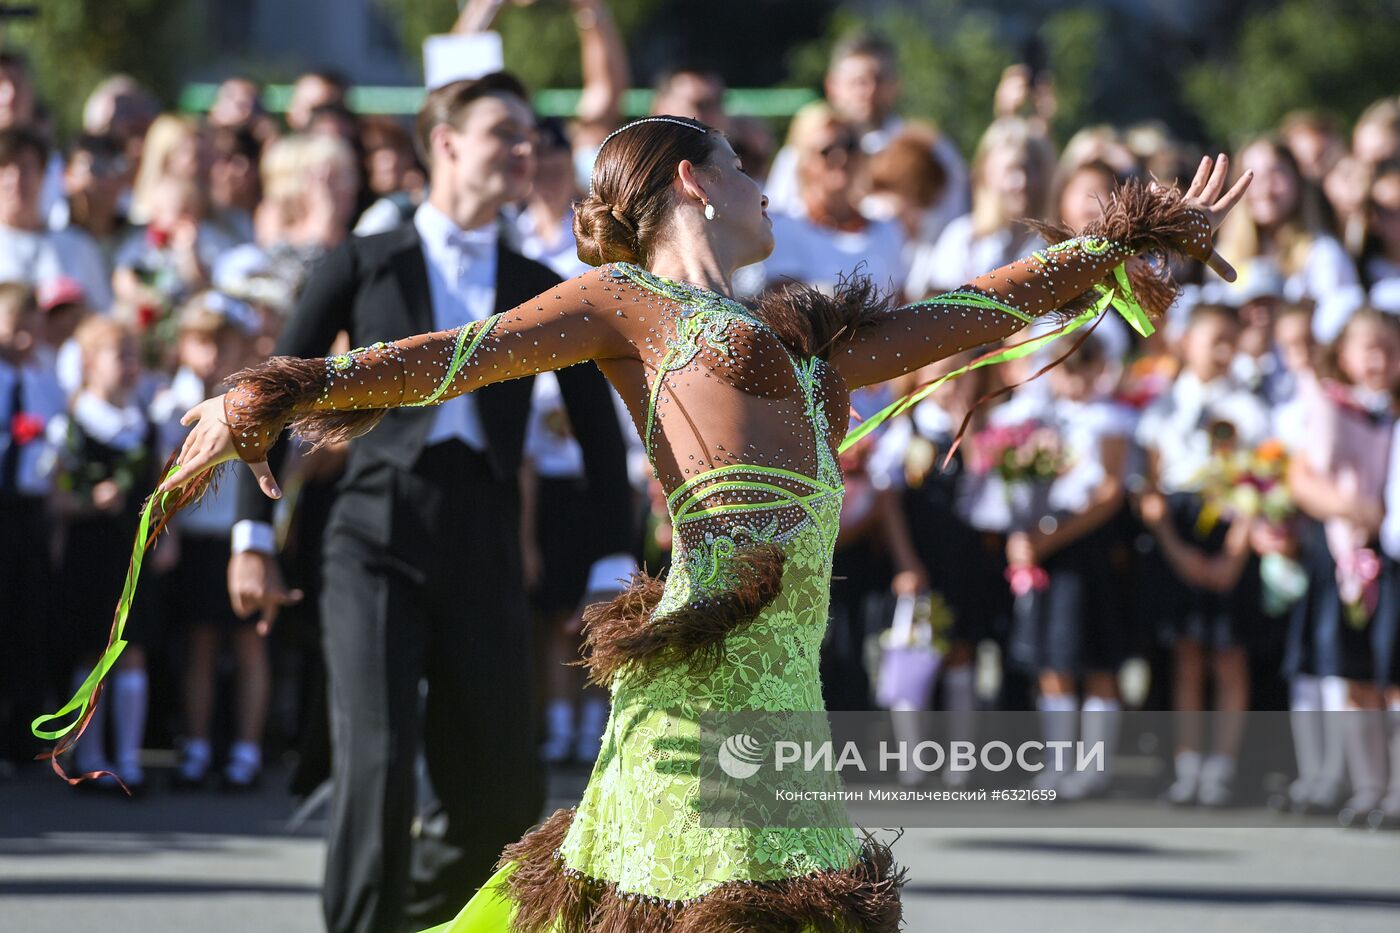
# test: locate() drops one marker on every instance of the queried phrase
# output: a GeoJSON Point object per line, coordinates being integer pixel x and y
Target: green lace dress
{"type": "Point", "coordinates": [634, 845]}
{"type": "Point", "coordinates": [741, 411]}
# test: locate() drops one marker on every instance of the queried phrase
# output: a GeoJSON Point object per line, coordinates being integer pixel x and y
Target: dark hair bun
{"type": "Point", "coordinates": [604, 233]}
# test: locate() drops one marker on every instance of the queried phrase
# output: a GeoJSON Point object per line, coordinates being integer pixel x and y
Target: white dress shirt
{"type": "Point", "coordinates": [462, 283]}
{"type": "Point", "coordinates": [461, 268]}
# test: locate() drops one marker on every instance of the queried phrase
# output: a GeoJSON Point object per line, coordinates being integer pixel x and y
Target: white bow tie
{"type": "Point", "coordinates": [473, 242]}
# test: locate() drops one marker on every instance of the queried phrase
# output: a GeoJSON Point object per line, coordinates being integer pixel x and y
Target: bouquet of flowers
{"type": "Point", "coordinates": [1027, 452]}
{"type": "Point", "coordinates": [1028, 457]}
{"type": "Point", "coordinates": [1244, 483]}
{"type": "Point", "coordinates": [1249, 483]}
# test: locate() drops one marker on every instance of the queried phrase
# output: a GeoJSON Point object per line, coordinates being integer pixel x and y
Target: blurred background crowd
{"type": "Point", "coordinates": [1206, 518]}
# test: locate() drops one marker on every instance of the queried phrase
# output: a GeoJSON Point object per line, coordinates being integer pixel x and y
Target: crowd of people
{"type": "Point", "coordinates": [1219, 501]}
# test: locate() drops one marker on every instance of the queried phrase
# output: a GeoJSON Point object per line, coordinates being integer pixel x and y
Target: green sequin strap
{"type": "Point", "coordinates": [970, 299]}
{"type": "Point", "coordinates": [1120, 296]}
{"type": "Point", "coordinates": [155, 515]}
{"type": "Point", "coordinates": [469, 337]}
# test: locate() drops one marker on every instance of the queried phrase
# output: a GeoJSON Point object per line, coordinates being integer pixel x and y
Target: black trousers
{"type": "Point", "coordinates": [458, 618]}
{"type": "Point", "coordinates": [29, 662]}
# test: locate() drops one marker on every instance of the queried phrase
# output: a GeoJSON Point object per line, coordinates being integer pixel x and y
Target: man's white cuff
{"type": "Point", "coordinates": [249, 535]}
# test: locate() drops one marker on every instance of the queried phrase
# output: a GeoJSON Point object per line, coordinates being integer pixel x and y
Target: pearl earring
{"type": "Point", "coordinates": [709, 211]}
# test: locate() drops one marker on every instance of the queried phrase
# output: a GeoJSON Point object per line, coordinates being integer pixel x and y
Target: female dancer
{"type": "Point", "coordinates": [741, 411]}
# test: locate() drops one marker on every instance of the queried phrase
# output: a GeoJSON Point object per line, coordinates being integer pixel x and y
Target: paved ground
{"type": "Point", "coordinates": [215, 864]}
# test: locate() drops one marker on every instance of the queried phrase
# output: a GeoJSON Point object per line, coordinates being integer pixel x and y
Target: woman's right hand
{"type": "Point", "coordinates": [209, 444]}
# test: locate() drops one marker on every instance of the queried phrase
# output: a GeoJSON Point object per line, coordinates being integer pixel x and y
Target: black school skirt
{"type": "Point", "coordinates": [1178, 611]}
{"type": "Point", "coordinates": [1077, 624]}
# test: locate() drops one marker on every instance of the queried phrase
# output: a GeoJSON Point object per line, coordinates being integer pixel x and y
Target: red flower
{"type": "Point", "coordinates": [25, 427]}
{"type": "Point", "coordinates": [157, 237]}
{"type": "Point", "coordinates": [1025, 580]}
{"type": "Point", "coordinates": [146, 316]}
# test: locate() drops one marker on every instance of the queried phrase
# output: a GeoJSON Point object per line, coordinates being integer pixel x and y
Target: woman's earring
{"type": "Point", "coordinates": [709, 211]}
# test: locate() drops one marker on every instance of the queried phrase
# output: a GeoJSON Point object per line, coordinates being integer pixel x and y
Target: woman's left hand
{"type": "Point", "coordinates": [209, 444]}
{"type": "Point", "coordinates": [1207, 194]}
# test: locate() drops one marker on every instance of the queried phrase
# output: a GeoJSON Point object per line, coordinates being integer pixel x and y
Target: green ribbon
{"type": "Point", "coordinates": [84, 697]}
{"type": "Point", "coordinates": [1120, 297]}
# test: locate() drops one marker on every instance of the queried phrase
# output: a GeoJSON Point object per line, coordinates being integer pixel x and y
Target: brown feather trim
{"type": "Point", "coordinates": [622, 631]}
{"type": "Point", "coordinates": [863, 897]}
{"type": "Point", "coordinates": [319, 428]}
{"type": "Point", "coordinates": [282, 389]}
{"type": "Point", "coordinates": [812, 323]}
{"type": "Point", "coordinates": [1152, 220]}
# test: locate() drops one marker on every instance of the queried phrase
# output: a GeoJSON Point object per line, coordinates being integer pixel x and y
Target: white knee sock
{"type": "Point", "coordinates": [89, 752]}
{"type": "Point", "coordinates": [1332, 773]}
{"type": "Point", "coordinates": [1306, 721]}
{"type": "Point", "coordinates": [1058, 715]}
{"type": "Point", "coordinates": [1366, 757]}
{"type": "Point", "coordinates": [1100, 718]}
{"type": "Point", "coordinates": [960, 700]}
{"type": "Point", "coordinates": [1391, 803]}
{"type": "Point", "coordinates": [129, 715]}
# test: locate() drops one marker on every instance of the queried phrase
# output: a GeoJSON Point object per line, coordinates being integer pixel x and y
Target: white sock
{"type": "Point", "coordinates": [194, 758]}
{"type": "Point", "coordinates": [247, 753]}
{"type": "Point", "coordinates": [129, 713]}
{"type": "Point", "coordinates": [1188, 765]}
{"type": "Point", "coordinates": [1219, 766]}
{"type": "Point", "coordinates": [1100, 718]}
{"type": "Point", "coordinates": [1307, 723]}
{"type": "Point", "coordinates": [960, 700]}
{"type": "Point", "coordinates": [1305, 693]}
{"type": "Point", "coordinates": [1392, 792]}
{"type": "Point", "coordinates": [1334, 693]}
{"type": "Point", "coordinates": [1332, 771]}
{"type": "Point", "coordinates": [88, 753]}
{"type": "Point", "coordinates": [1366, 754]}
{"type": "Point", "coordinates": [1058, 712]}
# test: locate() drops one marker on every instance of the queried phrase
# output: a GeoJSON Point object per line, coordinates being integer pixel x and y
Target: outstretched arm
{"type": "Point", "coordinates": [1003, 301]}
{"type": "Point", "coordinates": [343, 396]}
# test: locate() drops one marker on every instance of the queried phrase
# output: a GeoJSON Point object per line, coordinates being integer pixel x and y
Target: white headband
{"type": "Point", "coordinates": [628, 126]}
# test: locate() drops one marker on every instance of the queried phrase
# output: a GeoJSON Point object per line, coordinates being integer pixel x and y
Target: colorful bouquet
{"type": "Point", "coordinates": [1028, 457]}
{"type": "Point", "coordinates": [1244, 483]}
{"type": "Point", "coordinates": [1249, 483]}
{"type": "Point", "coordinates": [1027, 452]}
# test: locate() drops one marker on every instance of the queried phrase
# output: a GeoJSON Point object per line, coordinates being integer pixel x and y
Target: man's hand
{"type": "Point", "coordinates": [255, 585]}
